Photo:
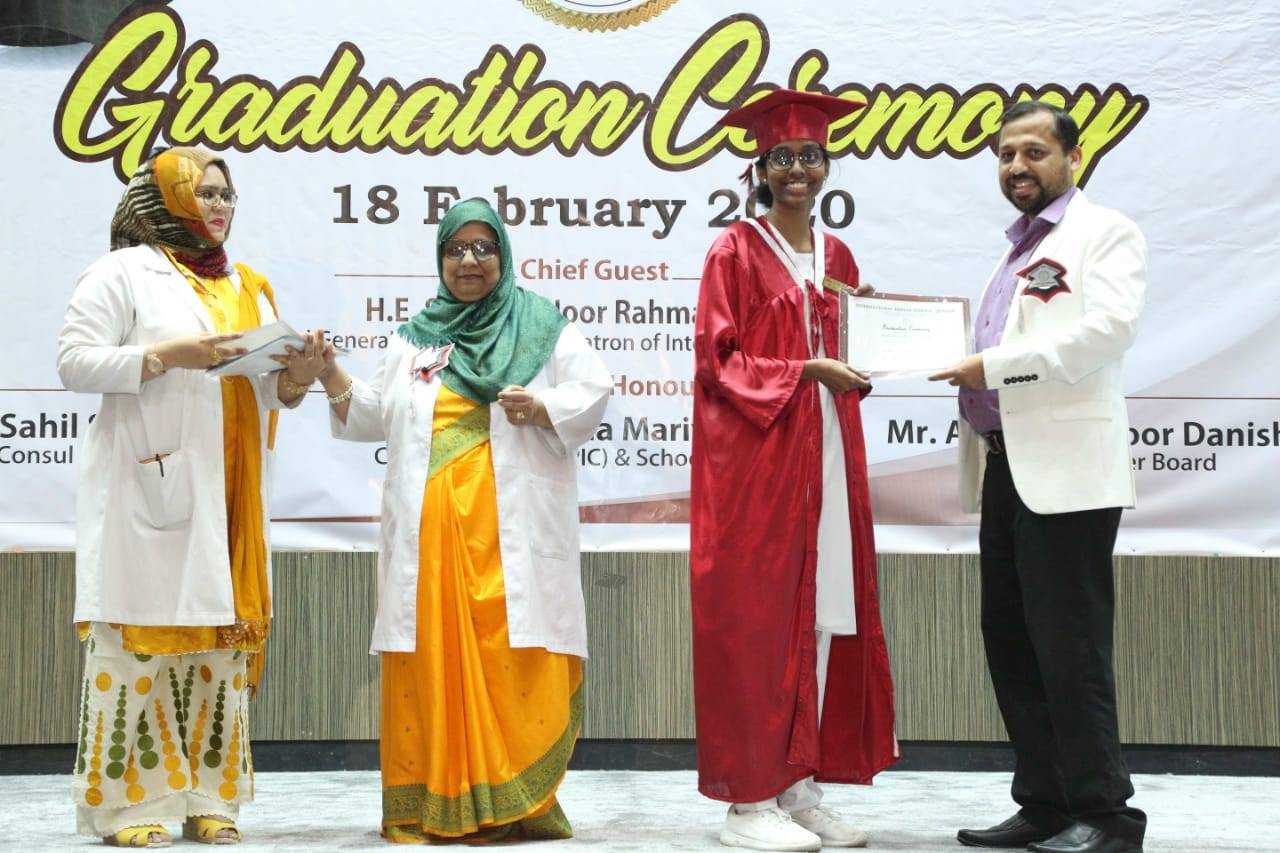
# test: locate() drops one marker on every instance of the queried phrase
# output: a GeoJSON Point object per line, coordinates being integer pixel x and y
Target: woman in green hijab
{"type": "Point", "coordinates": [482, 400]}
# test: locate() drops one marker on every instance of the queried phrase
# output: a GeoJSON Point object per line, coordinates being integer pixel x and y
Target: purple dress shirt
{"type": "Point", "coordinates": [982, 408]}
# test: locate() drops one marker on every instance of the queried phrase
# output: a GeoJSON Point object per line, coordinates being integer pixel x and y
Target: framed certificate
{"type": "Point", "coordinates": [887, 334]}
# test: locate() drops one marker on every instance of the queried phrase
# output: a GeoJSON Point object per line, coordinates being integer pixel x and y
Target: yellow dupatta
{"type": "Point", "coordinates": [243, 464]}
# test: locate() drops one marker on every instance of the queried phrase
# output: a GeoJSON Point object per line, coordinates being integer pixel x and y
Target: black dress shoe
{"type": "Point", "coordinates": [1016, 832]}
{"type": "Point", "coordinates": [1082, 838]}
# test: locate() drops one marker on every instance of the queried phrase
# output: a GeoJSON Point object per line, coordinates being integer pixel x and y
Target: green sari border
{"type": "Point", "coordinates": [487, 804]}
{"type": "Point", "coordinates": [466, 433]}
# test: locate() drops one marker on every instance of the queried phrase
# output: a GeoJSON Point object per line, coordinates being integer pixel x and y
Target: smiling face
{"type": "Point", "coordinates": [215, 213]}
{"type": "Point", "coordinates": [468, 279]}
{"type": "Point", "coordinates": [1034, 167]}
{"type": "Point", "coordinates": [797, 185]}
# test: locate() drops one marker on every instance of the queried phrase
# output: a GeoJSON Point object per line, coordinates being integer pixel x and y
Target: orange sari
{"type": "Point", "coordinates": [476, 735]}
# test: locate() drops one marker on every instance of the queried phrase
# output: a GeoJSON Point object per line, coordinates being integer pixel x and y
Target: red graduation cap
{"type": "Point", "coordinates": [788, 114]}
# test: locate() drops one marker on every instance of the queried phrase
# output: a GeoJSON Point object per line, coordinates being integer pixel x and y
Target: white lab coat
{"type": "Point", "coordinates": [537, 491]}
{"type": "Point", "coordinates": [150, 550]}
{"type": "Point", "coordinates": [1059, 370]}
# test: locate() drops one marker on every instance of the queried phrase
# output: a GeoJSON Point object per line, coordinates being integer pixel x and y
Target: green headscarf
{"type": "Point", "coordinates": [503, 339]}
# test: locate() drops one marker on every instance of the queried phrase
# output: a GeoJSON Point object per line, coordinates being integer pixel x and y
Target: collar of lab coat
{"type": "Point", "coordinates": [157, 262]}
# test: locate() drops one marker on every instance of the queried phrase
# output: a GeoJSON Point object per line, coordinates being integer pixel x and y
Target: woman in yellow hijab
{"type": "Point", "coordinates": [173, 595]}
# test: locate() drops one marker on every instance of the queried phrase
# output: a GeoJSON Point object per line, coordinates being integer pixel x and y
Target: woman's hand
{"type": "Point", "coordinates": [198, 351]}
{"type": "Point", "coordinates": [308, 364]}
{"type": "Point", "coordinates": [338, 385]}
{"type": "Point", "coordinates": [864, 289]}
{"type": "Point", "coordinates": [522, 407]}
{"type": "Point", "coordinates": [836, 375]}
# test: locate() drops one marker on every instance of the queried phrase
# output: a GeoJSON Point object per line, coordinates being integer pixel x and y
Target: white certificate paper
{"type": "Point", "coordinates": [262, 342]}
{"type": "Point", "coordinates": [888, 334]}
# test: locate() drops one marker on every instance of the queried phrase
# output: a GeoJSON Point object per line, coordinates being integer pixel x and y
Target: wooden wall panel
{"type": "Point", "coordinates": [1197, 649]}
{"type": "Point", "coordinates": [39, 652]}
{"type": "Point", "coordinates": [640, 674]}
{"type": "Point", "coordinates": [930, 607]}
{"type": "Point", "coordinates": [320, 681]}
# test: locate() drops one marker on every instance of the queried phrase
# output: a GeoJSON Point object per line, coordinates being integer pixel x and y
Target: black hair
{"type": "Point", "coordinates": [764, 195]}
{"type": "Point", "coordinates": [1064, 126]}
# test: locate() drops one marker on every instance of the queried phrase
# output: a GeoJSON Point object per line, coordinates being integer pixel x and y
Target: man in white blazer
{"type": "Point", "coordinates": [1045, 457]}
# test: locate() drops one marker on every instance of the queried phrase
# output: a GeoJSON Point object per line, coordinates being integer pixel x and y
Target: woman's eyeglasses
{"type": "Point", "coordinates": [481, 250]}
{"type": "Point", "coordinates": [781, 159]}
{"type": "Point", "coordinates": [213, 198]}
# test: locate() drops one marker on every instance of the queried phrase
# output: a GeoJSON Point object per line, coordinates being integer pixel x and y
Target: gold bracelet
{"type": "Point", "coordinates": [343, 397]}
{"type": "Point", "coordinates": [294, 389]}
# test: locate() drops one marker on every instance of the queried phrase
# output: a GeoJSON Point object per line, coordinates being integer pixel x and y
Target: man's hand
{"type": "Point", "coordinates": [968, 372]}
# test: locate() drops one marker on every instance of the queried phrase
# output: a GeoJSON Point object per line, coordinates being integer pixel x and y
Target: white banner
{"type": "Point", "coordinates": [590, 127]}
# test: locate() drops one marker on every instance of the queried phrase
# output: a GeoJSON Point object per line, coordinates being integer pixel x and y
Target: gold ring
{"type": "Point", "coordinates": [520, 416]}
{"type": "Point", "coordinates": [215, 356]}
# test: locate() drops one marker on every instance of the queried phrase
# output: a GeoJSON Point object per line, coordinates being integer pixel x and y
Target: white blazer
{"type": "Point", "coordinates": [537, 490]}
{"type": "Point", "coordinates": [150, 549]}
{"type": "Point", "coordinates": [1058, 368]}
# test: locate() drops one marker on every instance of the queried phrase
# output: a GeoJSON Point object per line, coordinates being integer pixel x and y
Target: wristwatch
{"type": "Point", "coordinates": [154, 364]}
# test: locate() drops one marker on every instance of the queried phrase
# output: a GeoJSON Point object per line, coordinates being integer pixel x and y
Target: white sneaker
{"type": "Point", "coordinates": [828, 826]}
{"type": "Point", "coordinates": [766, 829]}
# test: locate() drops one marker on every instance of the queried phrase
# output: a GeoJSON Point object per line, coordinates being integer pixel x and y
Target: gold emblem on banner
{"type": "Point", "coordinates": [599, 15]}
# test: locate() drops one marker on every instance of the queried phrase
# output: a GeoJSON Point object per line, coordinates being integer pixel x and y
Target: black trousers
{"type": "Point", "coordinates": [1048, 604]}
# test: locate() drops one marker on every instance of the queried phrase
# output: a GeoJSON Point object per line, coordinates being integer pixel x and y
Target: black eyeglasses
{"type": "Point", "coordinates": [215, 197]}
{"type": "Point", "coordinates": [780, 159]}
{"type": "Point", "coordinates": [481, 250]}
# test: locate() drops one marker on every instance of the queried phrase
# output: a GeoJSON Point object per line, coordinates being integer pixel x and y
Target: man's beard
{"type": "Point", "coordinates": [1032, 205]}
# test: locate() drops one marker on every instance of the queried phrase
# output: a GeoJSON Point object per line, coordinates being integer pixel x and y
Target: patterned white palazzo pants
{"type": "Point", "coordinates": [161, 737]}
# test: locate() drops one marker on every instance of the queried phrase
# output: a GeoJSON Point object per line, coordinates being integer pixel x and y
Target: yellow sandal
{"type": "Point", "coordinates": [205, 828]}
{"type": "Point", "coordinates": [139, 836]}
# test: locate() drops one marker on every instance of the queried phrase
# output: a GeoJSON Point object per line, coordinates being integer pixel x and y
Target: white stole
{"type": "Point", "coordinates": [835, 611]}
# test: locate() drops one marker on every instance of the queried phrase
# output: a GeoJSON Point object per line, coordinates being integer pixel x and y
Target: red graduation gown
{"type": "Point", "coordinates": [756, 492]}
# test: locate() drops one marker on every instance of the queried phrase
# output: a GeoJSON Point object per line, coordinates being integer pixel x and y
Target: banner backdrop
{"type": "Point", "coordinates": [590, 126]}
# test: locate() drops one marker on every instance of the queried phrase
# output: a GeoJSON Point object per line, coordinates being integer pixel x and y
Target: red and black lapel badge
{"type": "Point", "coordinates": [1044, 279]}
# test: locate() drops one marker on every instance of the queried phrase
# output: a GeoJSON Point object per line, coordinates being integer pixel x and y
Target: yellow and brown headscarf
{"type": "Point", "coordinates": [159, 207]}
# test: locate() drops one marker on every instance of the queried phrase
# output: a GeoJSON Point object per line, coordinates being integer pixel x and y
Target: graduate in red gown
{"type": "Point", "coordinates": [791, 675]}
